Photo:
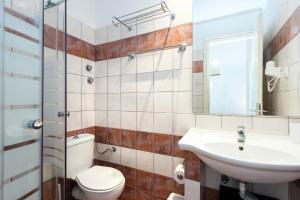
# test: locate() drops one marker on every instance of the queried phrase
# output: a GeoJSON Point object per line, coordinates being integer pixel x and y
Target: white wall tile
{"type": "Point", "coordinates": [74, 102]}
{"type": "Point", "coordinates": [88, 101]}
{"type": "Point", "coordinates": [208, 121]}
{"type": "Point", "coordinates": [163, 165]}
{"type": "Point", "coordinates": [182, 123]}
{"type": "Point", "coordinates": [86, 62]}
{"type": "Point", "coordinates": [182, 80]}
{"type": "Point", "coordinates": [232, 122]}
{"type": "Point", "coordinates": [182, 102]}
{"type": "Point", "coordinates": [74, 121]}
{"type": "Point", "coordinates": [128, 66]}
{"type": "Point", "coordinates": [144, 121]}
{"type": "Point", "coordinates": [114, 33]}
{"type": "Point", "coordinates": [101, 101]}
{"type": "Point", "coordinates": [74, 83]}
{"type": "Point", "coordinates": [192, 190]}
{"type": "Point", "coordinates": [101, 148]}
{"type": "Point", "coordinates": [128, 102]}
{"type": "Point", "coordinates": [125, 33]}
{"type": "Point", "coordinates": [270, 125]}
{"type": "Point", "coordinates": [87, 87]}
{"type": "Point", "coordinates": [74, 64]}
{"type": "Point", "coordinates": [101, 85]}
{"type": "Point", "coordinates": [128, 120]}
{"type": "Point", "coordinates": [145, 27]}
{"type": "Point", "coordinates": [145, 63]}
{"type": "Point", "coordinates": [74, 27]}
{"type": "Point", "coordinates": [114, 67]}
{"type": "Point", "coordinates": [101, 68]}
{"type": "Point", "coordinates": [114, 157]}
{"type": "Point", "coordinates": [101, 118]}
{"type": "Point", "coordinates": [163, 60]}
{"type": "Point", "coordinates": [145, 82]}
{"type": "Point", "coordinates": [128, 157]}
{"type": "Point", "coordinates": [101, 35]}
{"type": "Point", "coordinates": [163, 81]}
{"type": "Point", "coordinates": [128, 83]}
{"type": "Point", "coordinates": [114, 102]}
{"type": "Point", "coordinates": [183, 60]}
{"type": "Point", "coordinates": [145, 161]}
{"type": "Point", "coordinates": [88, 34]}
{"type": "Point", "coordinates": [145, 102]}
{"type": "Point", "coordinates": [114, 84]}
{"type": "Point", "coordinates": [88, 119]}
{"type": "Point", "coordinates": [163, 123]}
{"type": "Point", "coordinates": [163, 102]}
{"type": "Point", "coordinates": [114, 119]}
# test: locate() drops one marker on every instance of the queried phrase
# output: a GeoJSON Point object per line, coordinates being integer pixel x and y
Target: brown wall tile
{"type": "Point", "coordinates": [198, 66]}
{"type": "Point", "coordinates": [163, 144]}
{"type": "Point", "coordinates": [130, 176]}
{"type": "Point", "coordinates": [176, 150]}
{"type": "Point", "coordinates": [74, 46]}
{"type": "Point", "coordinates": [101, 134]}
{"type": "Point", "coordinates": [141, 195]}
{"type": "Point", "coordinates": [129, 45]}
{"type": "Point", "coordinates": [114, 136]}
{"type": "Point", "coordinates": [128, 138]}
{"type": "Point", "coordinates": [163, 186]}
{"type": "Point", "coordinates": [145, 42]}
{"type": "Point", "coordinates": [162, 38]}
{"type": "Point", "coordinates": [144, 141]}
{"type": "Point", "coordinates": [88, 51]}
{"type": "Point", "coordinates": [192, 166]}
{"type": "Point", "coordinates": [128, 194]}
{"type": "Point", "coordinates": [288, 31]}
{"type": "Point", "coordinates": [144, 181]}
{"type": "Point", "coordinates": [114, 49]}
{"type": "Point", "coordinates": [101, 52]}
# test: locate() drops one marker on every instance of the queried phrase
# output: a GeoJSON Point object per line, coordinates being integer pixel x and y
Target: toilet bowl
{"type": "Point", "coordinates": [93, 183]}
{"type": "Point", "coordinates": [99, 183]}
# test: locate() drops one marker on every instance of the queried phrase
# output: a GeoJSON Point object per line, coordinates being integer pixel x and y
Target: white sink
{"type": "Point", "coordinates": [264, 158]}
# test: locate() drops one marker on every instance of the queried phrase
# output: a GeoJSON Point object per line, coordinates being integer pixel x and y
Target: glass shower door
{"type": "Point", "coordinates": [54, 105]}
{"type": "Point", "coordinates": [21, 98]}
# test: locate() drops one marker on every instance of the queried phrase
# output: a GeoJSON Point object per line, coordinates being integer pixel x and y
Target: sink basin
{"type": "Point", "coordinates": [262, 159]}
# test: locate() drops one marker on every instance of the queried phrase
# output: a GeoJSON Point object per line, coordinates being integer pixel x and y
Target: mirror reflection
{"type": "Point", "coordinates": [246, 57]}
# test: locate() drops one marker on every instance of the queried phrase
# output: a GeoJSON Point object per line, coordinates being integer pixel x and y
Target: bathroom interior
{"type": "Point", "coordinates": [127, 99]}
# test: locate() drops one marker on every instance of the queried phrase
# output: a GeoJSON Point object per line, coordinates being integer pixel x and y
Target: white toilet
{"type": "Point", "coordinates": [94, 183]}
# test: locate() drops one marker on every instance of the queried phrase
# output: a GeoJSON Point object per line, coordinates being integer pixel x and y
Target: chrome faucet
{"type": "Point", "coordinates": [241, 134]}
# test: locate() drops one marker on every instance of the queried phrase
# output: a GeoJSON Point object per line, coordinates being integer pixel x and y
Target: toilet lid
{"type": "Point", "coordinates": [100, 178]}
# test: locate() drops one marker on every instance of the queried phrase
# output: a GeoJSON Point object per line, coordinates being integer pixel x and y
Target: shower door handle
{"type": "Point", "coordinates": [35, 124]}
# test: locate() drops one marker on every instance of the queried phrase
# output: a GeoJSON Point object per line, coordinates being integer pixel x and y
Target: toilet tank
{"type": "Point", "coordinates": [80, 154]}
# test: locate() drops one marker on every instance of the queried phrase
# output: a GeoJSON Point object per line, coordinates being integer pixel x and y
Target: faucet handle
{"type": "Point", "coordinates": [241, 129]}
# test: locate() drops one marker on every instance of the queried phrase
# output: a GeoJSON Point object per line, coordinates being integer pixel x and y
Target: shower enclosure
{"type": "Point", "coordinates": [32, 99]}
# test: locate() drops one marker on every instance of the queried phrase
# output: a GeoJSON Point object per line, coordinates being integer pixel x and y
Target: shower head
{"type": "Point", "coordinates": [51, 3]}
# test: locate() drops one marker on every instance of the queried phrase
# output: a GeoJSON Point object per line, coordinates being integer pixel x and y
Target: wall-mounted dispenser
{"type": "Point", "coordinates": [273, 74]}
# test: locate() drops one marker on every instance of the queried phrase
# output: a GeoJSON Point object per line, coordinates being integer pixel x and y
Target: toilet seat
{"type": "Point", "coordinates": [100, 179]}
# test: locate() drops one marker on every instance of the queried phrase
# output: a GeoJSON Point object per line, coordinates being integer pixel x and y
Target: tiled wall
{"type": "Point", "coordinates": [284, 49]}
{"type": "Point", "coordinates": [137, 104]}
{"type": "Point", "coordinates": [143, 106]}
{"type": "Point", "coordinates": [80, 94]}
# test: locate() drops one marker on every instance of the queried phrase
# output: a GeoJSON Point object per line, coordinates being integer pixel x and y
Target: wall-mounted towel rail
{"type": "Point", "coordinates": [144, 15]}
{"type": "Point", "coordinates": [181, 48]}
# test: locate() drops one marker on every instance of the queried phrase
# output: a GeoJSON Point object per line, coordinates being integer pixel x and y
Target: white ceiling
{"type": "Point", "coordinates": [98, 13]}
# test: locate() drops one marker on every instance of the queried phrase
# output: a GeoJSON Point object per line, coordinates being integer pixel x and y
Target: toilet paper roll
{"type": "Point", "coordinates": [178, 174]}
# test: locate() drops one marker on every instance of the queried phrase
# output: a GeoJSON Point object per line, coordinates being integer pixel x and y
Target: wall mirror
{"type": "Point", "coordinates": [246, 57]}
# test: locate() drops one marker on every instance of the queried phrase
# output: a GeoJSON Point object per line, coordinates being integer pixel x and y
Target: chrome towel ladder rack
{"type": "Point", "coordinates": [144, 15]}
